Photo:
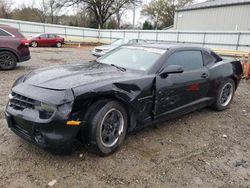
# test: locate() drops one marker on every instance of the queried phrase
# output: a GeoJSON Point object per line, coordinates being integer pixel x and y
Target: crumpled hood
{"type": "Point", "coordinates": [73, 75]}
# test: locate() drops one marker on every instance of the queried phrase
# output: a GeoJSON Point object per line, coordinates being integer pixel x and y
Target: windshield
{"type": "Point", "coordinates": [120, 41]}
{"type": "Point", "coordinates": [128, 57]}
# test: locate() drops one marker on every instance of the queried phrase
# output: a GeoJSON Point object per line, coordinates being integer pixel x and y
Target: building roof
{"type": "Point", "coordinates": [213, 4]}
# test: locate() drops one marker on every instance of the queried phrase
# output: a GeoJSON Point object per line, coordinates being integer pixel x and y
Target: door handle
{"type": "Point", "coordinates": [204, 75]}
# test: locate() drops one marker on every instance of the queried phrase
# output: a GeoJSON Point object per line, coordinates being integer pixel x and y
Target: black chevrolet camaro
{"type": "Point", "coordinates": [127, 89]}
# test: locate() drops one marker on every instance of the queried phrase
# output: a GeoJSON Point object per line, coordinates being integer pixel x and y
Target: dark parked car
{"type": "Point", "coordinates": [124, 90]}
{"type": "Point", "coordinates": [46, 39]}
{"type": "Point", "coordinates": [14, 47]}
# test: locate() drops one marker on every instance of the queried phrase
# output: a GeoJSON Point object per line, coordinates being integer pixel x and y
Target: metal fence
{"type": "Point", "coordinates": [231, 40]}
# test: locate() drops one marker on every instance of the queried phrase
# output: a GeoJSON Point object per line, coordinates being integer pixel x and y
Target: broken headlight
{"type": "Point", "coordinates": [45, 110]}
{"type": "Point", "coordinates": [40, 106]}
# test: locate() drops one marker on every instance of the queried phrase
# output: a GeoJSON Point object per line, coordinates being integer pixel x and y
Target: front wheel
{"type": "Point", "coordinates": [224, 95]}
{"type": "Point", "coordinates": [106, 128]}
{"type": "Point", "coordinates": [34, 44]}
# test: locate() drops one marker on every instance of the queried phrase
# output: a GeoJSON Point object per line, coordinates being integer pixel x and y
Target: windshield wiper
{"type": "Point", "coordinates": [120, 68]}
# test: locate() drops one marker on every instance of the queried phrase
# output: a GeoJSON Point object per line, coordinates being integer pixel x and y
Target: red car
{"type": "Point", "coordinates": [46, 39]}
{"type": "Point", "coordinates": [14, 47]}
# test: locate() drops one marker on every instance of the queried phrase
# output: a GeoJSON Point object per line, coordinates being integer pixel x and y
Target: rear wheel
{"type": "Point", "coordinates": [8, 61]}
{"type": "Point", "coordinates": [224, 95]}
{"type": "Point", "coordinates": [34, 44]}
{"type": "Point", "coordinates": [106, 128]}
{"type": "Point", "coordinates": [58, 44]}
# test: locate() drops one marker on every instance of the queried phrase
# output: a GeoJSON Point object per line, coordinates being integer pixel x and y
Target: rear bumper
{"type": "Point", "coordinates": [24, 58]}
{"type": "Point", "coordinates": [54, 136]}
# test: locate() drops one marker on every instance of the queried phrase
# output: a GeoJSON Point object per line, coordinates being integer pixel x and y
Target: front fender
{"type": "Point", "coordinates": [136, 96]}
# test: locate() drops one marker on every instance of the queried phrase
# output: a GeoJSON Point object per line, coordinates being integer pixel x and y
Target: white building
{"type": "Point", "coordinates": [214, 15]}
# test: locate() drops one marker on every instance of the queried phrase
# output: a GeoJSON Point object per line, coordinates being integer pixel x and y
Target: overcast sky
{"type": "Point", "coordinates": [128, 17]}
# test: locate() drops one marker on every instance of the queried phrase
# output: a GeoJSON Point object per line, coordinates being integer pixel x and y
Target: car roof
{"type": "Point", "coordinates": [11, 30]}
{"type": "Point", "coordinates": [7, 27]}
{"type": "Point", "coordinates": [4, 26]}
{"type": "Point", "coordinates": [39, 34]}
{"type": "Point", "coordinates": [168, 46]}
{"type": "Point", "coordinates": [45, 34]}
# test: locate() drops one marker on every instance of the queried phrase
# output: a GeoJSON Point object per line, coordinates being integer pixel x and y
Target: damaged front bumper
{"type": "Point", "coordinates": [55, 136]}
{"type": "Point", "coordinates": [53, 132]}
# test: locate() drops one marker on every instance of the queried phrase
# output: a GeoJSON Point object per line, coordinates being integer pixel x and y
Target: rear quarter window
{"type": "Point", "coordinates": [216, 56]}
{"type": "Point", "coordinates": [4, 33]}
{"type": "Point", "coordinates": [208, 58]}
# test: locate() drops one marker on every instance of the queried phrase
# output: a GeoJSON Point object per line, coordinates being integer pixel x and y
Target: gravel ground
{"type": "Point", "coordinates": [195, 150]}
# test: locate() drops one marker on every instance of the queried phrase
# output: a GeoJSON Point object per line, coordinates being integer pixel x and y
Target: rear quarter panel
{"type": "Point", "coordinates": [13, 44]}
{"type": "Point", "coordinates": [221, 71]}
{"type": "Point", "coordinates": [237, 68]}
{"type": "Point", "coordinates": [60, 40]}
{"type": "Point", "coordinates": [10, 44]}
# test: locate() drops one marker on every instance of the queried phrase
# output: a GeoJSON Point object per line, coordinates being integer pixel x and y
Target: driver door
{"type": "Point", "coordinates": [181, 91]}
{"type": "Point", "coordinates": [43, 39]}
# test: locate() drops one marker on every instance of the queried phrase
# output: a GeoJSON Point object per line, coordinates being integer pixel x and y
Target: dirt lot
{"type": "Point", "coordinates": [196, 150]}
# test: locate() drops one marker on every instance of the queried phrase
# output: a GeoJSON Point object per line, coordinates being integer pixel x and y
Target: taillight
{"type": "Point", "coordinates": [25, 42]}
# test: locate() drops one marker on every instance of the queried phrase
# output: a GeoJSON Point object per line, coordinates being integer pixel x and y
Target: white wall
{"type": "Point", "coordinates": [220, 18]}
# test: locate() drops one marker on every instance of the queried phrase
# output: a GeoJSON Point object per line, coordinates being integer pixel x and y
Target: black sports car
{"type": "Point", "coordinates": [127, 89]}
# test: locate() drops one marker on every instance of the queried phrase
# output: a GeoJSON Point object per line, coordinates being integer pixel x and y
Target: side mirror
{"type": "Point", "coordinates": [39, 37]}
{"type": "Point", "coordinates": [171, 69]}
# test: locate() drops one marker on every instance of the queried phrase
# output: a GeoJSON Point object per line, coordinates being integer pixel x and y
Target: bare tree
{"type": "Point", "coordinates": [50, 9]}
{"type": "Point", "coordinates": [122, 6]}
{"type": "Point", "coordinates": [83, 15]}
{"type": "Point", "coordinates": [27, 13]}
{"type": "Point", "coordinates": [161, 12]}
{"type": "Point", "coordinates": [102, 9]}
{"type": "Point", "coordinates": [5, 8]}
{"type": "Point", "coordinates": [44, 8]}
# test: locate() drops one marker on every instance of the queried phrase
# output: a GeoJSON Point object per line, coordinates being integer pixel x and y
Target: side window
{"type": "Point", "coordinates": [52, 36]}
{"type": "Point", "coordinates": [208, 58]}
{"type": "Point", "coordinates": [189, 60]}
{"type": "Point", "coordinates": [131, 41]}
{"type": "Point", "coordinates": [4, 34]}
{"type": "Point", "coordinates": [44, 36]}
{"type": "Point", "coordinates": [141, 41]}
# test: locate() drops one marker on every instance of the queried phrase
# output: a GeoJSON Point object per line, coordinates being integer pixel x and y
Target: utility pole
{"type": "Point", "coordinates": [134, 15]}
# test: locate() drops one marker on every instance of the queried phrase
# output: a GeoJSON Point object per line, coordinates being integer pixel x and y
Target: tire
{"type": "Point", "coordinates": [34, 44]}
{"type": "Point", "coordinates": [8, 61]}
{"type": "Point", "coordinates": [58, 44]}
{"type": "Point", "coordinates": [106, 127]}
{"type": "Point", "coordinates": [224, 95]}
